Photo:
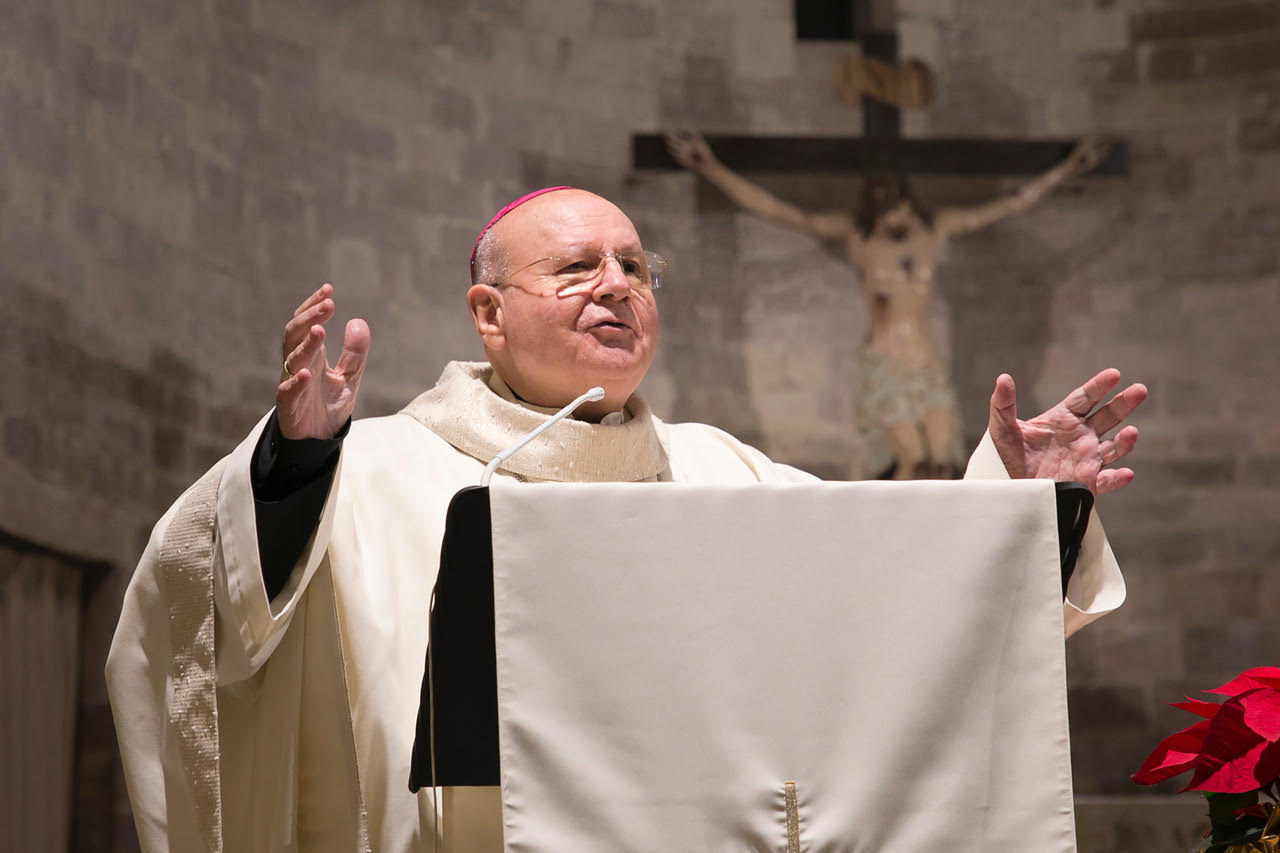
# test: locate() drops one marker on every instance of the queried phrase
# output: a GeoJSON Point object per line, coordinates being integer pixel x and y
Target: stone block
{"type": "Point", "coordinates": [1119, 67]}
{"type": "Point", "coordinates": [632, 20]}
{"type": "Point", "coordinates": [176, 160]}
{"type": "Point", "coordinates": [1175, 63]}
{"type": "Point", "coordinates": [155, 106]}
{"type": "Point", "coordinates": [1139, 824]}
{"type": "Point", "coordinates": [1122, 650]}
{"type": "Point", "coordinates": [1263, 220]}
{"type": "Point", "coordinates": [231, 423]}
{"type": "Point", "coordinates": [470, 34]}
{"type": "Point", "coordinates": [278, 62]}
{"type": "Point", "coordinates": [415, 190]}
{"type": "Point", "coordinates": [1109, 708]}
{"type": "Point", "coordinates": [161, 403]}
{"type": "Point", "coordinates": [1260, 470]}
{"type": "Point", "coordinates": [234, 90]}
{"type": "Point", "coordinates": [486, 162]}
{"type": "Point", "coordinates": [1214, 653]}
{"type": "Point", "coordinates": [177, 368]}
{"type": "Point", "coordinates": [284, 255]}
{"type": "Point", "coordinates": [1190, 473]}
{"type": "Point", "coordinates": [272, 201]}
{"type": "Point", "coordinates": [1204, 21]}
{"type": "Point", "coordinates": [1254, 56]}
{"type": "Point", "coordinates": [31, 136]}
{"type": "Point", "coordinates": [1103, 760]}
{"type": "Point", "coordinates": [1252, 544]}
{"type": "Point", "coordinates": [22, 443]}
{"type": "Point", "coordinates": [701, 96]}
{"type": "Point", "coordinates": [203, 455]}
{"type": "Point", "coordinates": [454, 109]}
{"type": "Point", "coordinates": [1214, 595]}
{"type": "Point", "coordinates": [352, 259]}
{"type": "Point", "coordinates": [1259, 133]}
{"type": "Point", "coordinates": [102, 79]}
{"type": "Point", "coordinates": [1093, 31]}
{"type": "Point", "coordinates": [763, 49]}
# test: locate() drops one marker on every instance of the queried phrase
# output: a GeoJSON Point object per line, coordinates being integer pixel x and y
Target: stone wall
{"type": "Point", "coordinates": [175, 177]}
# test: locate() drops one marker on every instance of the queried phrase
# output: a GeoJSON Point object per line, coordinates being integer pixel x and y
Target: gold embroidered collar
{"type": "Point", "coordinates": [465, 410]}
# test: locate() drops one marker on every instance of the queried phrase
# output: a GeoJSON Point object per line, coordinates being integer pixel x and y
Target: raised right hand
{"type": "Point", "coordinates": [689, 149]}
{"type": "Point", "coordinates": [1088, 153]}
{"type": "Point", "coordinates": [314, 400]}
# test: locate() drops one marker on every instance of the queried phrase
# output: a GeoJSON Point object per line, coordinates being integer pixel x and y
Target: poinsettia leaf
{"type": "Point", "coordinates": [1229, 756]}
{"type": "Point", "coordinates": [1198, 707]}
{"type": "Point", "coordinates": [1230, 776]}
{"type": "Point", "coordinates": [1262, 712]}
{"type": "Point", "coordinates": [1175, 754]}
{"type": "Point", "coordinates": [1258, 676]}
{"type": "Point", "coordinates": [1269, 763]}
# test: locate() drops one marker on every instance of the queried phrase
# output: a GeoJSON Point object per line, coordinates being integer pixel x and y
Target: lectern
{"type": "Point", "coordinates": [827, 666]}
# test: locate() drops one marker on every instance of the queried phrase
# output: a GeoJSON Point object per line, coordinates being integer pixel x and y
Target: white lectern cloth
{"type": "Point", "coordinates": [670, 656]}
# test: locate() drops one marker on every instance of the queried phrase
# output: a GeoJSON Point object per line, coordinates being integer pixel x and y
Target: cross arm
{"type": "Point", "coordinates": [937, 156]}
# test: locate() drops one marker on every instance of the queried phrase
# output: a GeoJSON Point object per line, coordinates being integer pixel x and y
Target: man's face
{"type": "Point", "coordinates": [551, 347]}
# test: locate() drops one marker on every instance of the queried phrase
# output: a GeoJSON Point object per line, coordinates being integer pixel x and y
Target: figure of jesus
{"type": "Point", "coordinates": [905, 400]}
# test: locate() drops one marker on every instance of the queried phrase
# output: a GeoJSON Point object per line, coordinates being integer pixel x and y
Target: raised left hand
{"type": "Point", "coordinates": [1068, 442]}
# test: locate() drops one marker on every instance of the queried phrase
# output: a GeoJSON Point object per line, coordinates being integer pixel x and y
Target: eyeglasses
{"type": "Point", "coordinates": [571, 274]}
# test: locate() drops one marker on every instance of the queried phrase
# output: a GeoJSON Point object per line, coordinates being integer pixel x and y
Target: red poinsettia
{"type": "Point", "coordinates": [1235, 748]}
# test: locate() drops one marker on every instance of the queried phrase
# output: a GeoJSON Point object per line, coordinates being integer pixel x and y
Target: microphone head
{"type": "Point", "coordinates": [596, 393]}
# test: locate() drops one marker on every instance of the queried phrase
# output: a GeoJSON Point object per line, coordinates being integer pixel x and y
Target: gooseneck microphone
{"type": "Point", "coordinates": [596, 393]}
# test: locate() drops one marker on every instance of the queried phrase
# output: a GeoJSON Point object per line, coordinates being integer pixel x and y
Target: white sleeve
{"type": "Point", "coordinates": [1096, 587]}
{"type": "Point", "coordinates": [249, 627]}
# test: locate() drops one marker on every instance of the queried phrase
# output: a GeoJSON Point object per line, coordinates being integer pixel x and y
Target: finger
{"type": "Point", "coordinates": [324, 292]}
{"type": "Point", "coordinates": [291, 398]}
{"type": "Point", "coordinates": [1110, 479]}
{"type": "Point", "coordinates": [319, 312]}
{"type": "Point", "coordinates": [1114, 450]}
{"type": "Point", "coordinates": [298, 328]}
{"type": "Point", "coordinates": [1123, 443]}
{"type": "Point", "coordinates": [306, 353]}
{"type": "Point", "coordinates": [1120, 407]}
{"type": "Point", "coordinates": [355, 350]}
{"type": "Point", "coordinates": [1003, 417]}
{"type": "Point", "coordinates": [291, 387]}
{"type": "Point", "coordinates": [1082, 400]}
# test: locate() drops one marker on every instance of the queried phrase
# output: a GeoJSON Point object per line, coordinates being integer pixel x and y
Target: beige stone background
{"type": "Point", "coordinates": [176, 176]}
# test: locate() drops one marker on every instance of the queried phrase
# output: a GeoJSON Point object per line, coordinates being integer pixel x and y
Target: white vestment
{"type": "Point", "coordinates": [318, 689]}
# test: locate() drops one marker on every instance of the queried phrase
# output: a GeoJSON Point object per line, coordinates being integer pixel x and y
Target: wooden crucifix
{"type": "Point", "coordinates": [882, 147]}
{"type": "Point", "coordinates": [907, 406]}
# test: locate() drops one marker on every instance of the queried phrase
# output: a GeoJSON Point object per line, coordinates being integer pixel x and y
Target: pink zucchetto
{"type": "Point", "coordinates": [503, 212]}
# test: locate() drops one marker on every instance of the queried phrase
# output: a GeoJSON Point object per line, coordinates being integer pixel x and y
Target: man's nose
{"type": "Point", "coordinates": [613, 281]}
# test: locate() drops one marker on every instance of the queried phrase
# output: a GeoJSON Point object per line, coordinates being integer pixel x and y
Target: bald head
{"type": "Point", "coordinates": [541, 216]}
{"type": "Point", "coordinates": [551, 346]}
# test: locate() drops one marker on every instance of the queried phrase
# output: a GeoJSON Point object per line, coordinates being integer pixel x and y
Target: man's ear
{"type": "Point", "coordinates": [485, 304]}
